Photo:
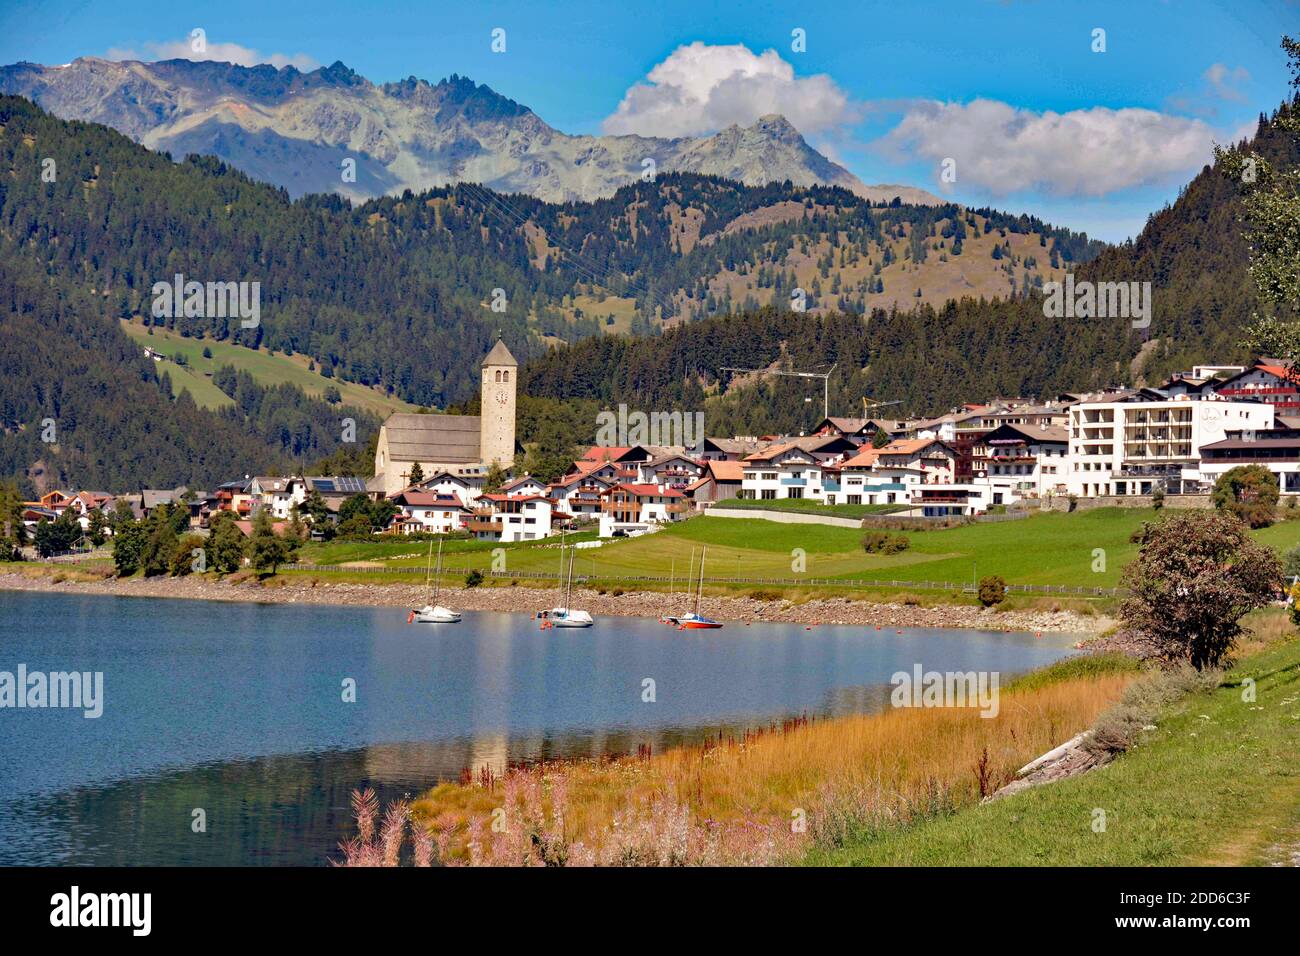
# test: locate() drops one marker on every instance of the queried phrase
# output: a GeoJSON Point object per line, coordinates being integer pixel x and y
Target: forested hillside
{"type": "Point", "coordinates": [376, 294]}
{"type": "Point", "coordinates": [968, 350]}
{"type": "Point", "coordinates": [68, 373]}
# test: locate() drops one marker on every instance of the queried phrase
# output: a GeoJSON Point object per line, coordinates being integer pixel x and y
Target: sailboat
{"type": "Point", "coordinates": [695, 620]}
{"type": "Point", "coordinates": [433, 612]}
{"type": "Point", "coordinates": [566, 616]}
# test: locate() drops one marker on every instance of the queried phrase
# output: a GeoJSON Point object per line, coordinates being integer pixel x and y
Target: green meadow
{"type": "Point", "coordinates": [1085, 548]}
{"type": "Point", "coordinates": [265, 367]}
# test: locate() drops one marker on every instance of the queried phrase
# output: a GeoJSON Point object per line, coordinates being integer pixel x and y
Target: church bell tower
{"type": "Point", "coordinates": [497, 415]}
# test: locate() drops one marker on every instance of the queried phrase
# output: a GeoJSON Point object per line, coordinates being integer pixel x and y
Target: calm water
{"type": "Point", "coordinates": [237, 709]}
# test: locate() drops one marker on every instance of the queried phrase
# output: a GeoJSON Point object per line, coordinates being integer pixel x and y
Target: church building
{"type": "Point", "coordinates": [456, 444]}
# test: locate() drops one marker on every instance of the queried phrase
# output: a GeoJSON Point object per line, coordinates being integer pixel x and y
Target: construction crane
{"type": "Point", "coordinates": [824, 376]}
{"type": "Point", "coordinates": [869, 404]}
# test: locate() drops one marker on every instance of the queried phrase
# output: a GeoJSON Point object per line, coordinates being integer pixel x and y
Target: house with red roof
{"type": "Point", "coordinates": [428, 511]}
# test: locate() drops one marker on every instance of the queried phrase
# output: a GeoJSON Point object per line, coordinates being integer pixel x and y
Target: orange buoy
{"type": "Point", "coordinates": [410, 617]}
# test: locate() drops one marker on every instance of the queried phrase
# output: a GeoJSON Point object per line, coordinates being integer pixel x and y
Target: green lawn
{"type": "Point", "coordinates": [266, 369]}
{"type": "Point", "coordinates": [1217, 783]}
{"type": "Point", "coordinates": [1056, 548]}
{"type": "Point", "coordinates": [808, 506]}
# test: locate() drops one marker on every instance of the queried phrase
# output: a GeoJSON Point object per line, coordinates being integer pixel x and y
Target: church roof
{"type": "Point", "coordinates": [500, 355]}
{"type": "Point", "coordinates": [433, 438]}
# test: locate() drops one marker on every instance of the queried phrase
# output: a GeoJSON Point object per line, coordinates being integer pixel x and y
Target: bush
{"type": "Point", "coordinates": [993, 590]}
{"type": "Point", "coordinates": [474, 578]}
{"type": "Point", "coordinates": [1249, 492]}
{"type": "Point", "coordinates": [1291, 563]}
{"type": "Point", "coordinates": [882, 542]}
{"type": "Point", "coordinates": [1197, 574]}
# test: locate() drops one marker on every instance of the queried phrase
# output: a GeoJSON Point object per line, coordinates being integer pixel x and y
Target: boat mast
{"type": "Point", "coordinates": [699, 596]}
{"type": "Point", "coordinates": [561, 581]}
{"type": "Point", "coordinates": [437, 580]}
{"type": "Point", "coordinates": [428, 563]}
{"type": "Point", "coordinates": [568, 590]}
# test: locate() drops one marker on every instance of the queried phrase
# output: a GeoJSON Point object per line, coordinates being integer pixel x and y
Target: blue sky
{"type": "Point", "coordinates": [1010, 90]}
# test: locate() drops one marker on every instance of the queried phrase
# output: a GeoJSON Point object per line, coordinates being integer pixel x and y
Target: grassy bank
{"type": "Point", "coordinates": [1217, 782]}
{"type": "Point", "coordinates": [1080, 549]}
{"type": "Point", "coordinates": [747, 791]}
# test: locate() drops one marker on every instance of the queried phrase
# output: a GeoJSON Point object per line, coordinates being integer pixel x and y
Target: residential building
{"type": "Point", "coordinates": [1032, 459]}
{"type": "Point", "coordinates": [632, 508]}
{"type": "Point", "coordinates": [506, 518]}
{"type": "Point", "coordinates": [1131, 443]}
{"type": "Point", "coordinates": [428, 511]}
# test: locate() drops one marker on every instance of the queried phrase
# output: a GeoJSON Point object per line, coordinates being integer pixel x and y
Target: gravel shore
{"type": "Point", "coordinates": [529, 600]}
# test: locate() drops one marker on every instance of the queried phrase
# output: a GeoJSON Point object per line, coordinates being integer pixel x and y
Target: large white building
{"type": "Point", "coordinates": [1131, 443]}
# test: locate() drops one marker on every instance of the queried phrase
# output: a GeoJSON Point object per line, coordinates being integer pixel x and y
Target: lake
{"type": "Point", "coordinates": [238, 710]}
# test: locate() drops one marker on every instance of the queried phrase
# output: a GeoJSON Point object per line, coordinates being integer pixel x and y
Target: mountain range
{"type": "Point", "coordinates": [298, 130]}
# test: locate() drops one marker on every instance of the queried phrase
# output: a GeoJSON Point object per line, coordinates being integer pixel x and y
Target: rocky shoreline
{"type": "Point", "coordinates": [526, 600]}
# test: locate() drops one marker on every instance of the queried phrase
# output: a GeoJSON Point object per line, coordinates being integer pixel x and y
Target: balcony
{"type": "Point", "coordinates": [794, 482]}
{"type": "Point", "coordinates": [475, 525]}
{"type": "Point", "coordinates": [830, 485]}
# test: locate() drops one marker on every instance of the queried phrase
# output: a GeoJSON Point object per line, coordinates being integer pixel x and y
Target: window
{"type": "Point", "coordinates": [796, 492]}
{"type": "Point", "coordinates": [769, 494]}
{"type": "Point", "coordinates": [505, 375]}
{"type": "Point", "coordinates": [854, 499]}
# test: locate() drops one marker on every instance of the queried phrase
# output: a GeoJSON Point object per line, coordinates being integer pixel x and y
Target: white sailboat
{"type": "Point", "coordinates": [566, 616]}
{"type": "Point", "coordinates": [433, 612]}
{"type": "Point", "coordinates": [695, 620]}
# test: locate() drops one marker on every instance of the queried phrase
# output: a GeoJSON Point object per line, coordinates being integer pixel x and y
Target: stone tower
{"type": "Point", "coordinates": [497, 416]}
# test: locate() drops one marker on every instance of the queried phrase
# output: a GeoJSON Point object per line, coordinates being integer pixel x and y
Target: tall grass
{"type": "Point", "coordinates": [761, 797]}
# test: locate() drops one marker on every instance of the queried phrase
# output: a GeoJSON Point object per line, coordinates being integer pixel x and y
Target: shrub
{"type": "Point", "coordinates": [1249, 492]}
{"type": "Point", "coordinates": [474, 578]}
{"type": "Point", "coordinates": [1196, 575]}
{"type": "Point", "coordinates": [882, 542]}
{"type": "Point", "coordinates": [993, 590]}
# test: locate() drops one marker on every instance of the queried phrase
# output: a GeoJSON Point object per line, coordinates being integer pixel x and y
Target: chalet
{"type": "Point", "coordinates": [916, 461]}
{"type": "Point", "coordinates": [525, 485]}
{"type": "Point", "coordinates": [860, 431]}
{"type": "Point", "coordinates": [1267, 381]}
{"type": "Point", "coordinates": [507, 518]}
{"type": "Point", "coordinates": [632, 508]}
{"type": "Point", "coordinates": [728, 449]}
{"type": "Point", "coordinates": [673, 470]}
{"type": "Point", "coordinates": [579, 495]}
{"type": "Point", "coordinates": [427, 511]}
{"type": "Point", "coordinates": [856, 483]}
{"type": "Point", "coordinates": [273, 493]}
{"type": "Point", "coordinates": [793, 469]}
{"type": "Point", "coordinates": [464, 487]}
{"type": "Point", "coordinates": [1029, 458]}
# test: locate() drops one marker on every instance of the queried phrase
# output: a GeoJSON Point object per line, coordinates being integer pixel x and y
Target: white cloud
{"type": "Point", "coordinates": [1004, 149]}
{"type": "Point", "coordinates": [702, 88]}
{"type": "Point", "coordinates": [222, 52]}
{"type": "Point", "coordinates": [1224, 82]}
